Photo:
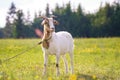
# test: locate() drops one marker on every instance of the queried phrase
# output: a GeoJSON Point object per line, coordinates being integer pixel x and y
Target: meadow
{"type": "Point", "coordinates": [94, 59]}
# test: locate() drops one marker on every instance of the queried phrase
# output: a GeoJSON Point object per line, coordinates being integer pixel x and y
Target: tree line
{"type": "Point", "coordinates": [103, 23]}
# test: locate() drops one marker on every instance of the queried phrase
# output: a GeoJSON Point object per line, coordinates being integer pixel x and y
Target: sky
{"type": "Point", "coordinates": [39, 5]}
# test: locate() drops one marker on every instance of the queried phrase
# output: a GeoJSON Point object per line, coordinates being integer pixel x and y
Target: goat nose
{"type": "Point", "coordinates": [52, 26]}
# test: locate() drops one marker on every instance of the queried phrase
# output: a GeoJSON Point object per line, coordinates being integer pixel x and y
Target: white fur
{"type": "Point", "coordinates": [59, 44]}
{"type": "Point", "coordinates": [51, 23]}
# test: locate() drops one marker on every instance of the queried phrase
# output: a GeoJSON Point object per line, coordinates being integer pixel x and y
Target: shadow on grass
{"type": "Point", "coordinates": [85, 77]}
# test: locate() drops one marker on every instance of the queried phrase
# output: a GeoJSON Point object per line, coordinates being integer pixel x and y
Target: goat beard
{"type": "Point", "coordinates": [39, 33]}
{"type": "Point", "coordinates": [45, 44]}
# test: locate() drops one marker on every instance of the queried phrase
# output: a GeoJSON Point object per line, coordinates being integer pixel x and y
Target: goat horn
{"type": "Point", "coordinates": [44, 17]}
{"type": "Point", "coordinates": [53, 16]}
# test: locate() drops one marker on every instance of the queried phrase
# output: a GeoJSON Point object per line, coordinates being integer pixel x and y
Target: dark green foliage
{"type": "Point", "coordinates": [103, 23]}
{"type": "Point", "coordinates": [76, 22]}
{"type": "Point", "coordinates": [19, 25]}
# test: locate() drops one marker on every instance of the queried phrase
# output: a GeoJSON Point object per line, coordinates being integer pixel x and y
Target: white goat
{"type": "Point", "coordinates": [56, 44]}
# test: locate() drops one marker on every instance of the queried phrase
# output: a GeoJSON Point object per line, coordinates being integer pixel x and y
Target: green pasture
{"type": "Point", "coordinates": [94, 59]}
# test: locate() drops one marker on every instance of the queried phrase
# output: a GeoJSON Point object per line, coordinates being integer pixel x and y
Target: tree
{"type": "Point", "coordinates": [19, 24]}
{"type": "Point", "coordinates": [9, 27]}
{"type": "Point", "coordinates": [1, 33]}
{"type": "Point", "coordinates": [115, 23]}
{"type": "Point", "coordinates": [103, 23]}
{"type": "Point", "coordinates": [36, 24]}
{"type": "Point", "coordinates": [47, 11]}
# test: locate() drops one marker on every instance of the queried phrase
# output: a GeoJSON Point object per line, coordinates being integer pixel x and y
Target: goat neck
{"type": "Point", "coordinates": [47, 36]}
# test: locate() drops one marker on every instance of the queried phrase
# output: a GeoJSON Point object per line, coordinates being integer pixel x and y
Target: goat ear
{"type": "Point", "coordinates": [55, 22]}
{"type": "Point", "coordinates": [43, 22]}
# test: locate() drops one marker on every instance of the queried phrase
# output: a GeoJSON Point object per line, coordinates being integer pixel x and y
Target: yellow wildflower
{"type": "Point", "coordinates": [49, 78]}
{"type": "Point", "coordinates": [94, 77]}
{"type": "Point", "coordinates": [73, 77]}
{"type": "Point", "coordinates": [36, 77]}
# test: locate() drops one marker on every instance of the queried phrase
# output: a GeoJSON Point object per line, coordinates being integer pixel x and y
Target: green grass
{"type": "Point", "coordinates": [94, 59]}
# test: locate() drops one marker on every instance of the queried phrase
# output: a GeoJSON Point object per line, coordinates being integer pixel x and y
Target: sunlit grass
{"type": "Point", "coordinates": [94, 59]}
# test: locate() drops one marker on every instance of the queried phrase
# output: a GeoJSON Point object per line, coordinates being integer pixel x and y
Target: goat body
{"type": "Point", "coordinates": [61, 42]}
{"type": "Point", "coordinates": [56, 44]}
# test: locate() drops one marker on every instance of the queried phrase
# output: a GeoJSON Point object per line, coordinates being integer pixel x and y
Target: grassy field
{"type": "Point", "coordinates": [94, 59]}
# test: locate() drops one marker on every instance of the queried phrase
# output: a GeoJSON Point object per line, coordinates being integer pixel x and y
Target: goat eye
{"type": "Point", "coordinates": [55, 22]}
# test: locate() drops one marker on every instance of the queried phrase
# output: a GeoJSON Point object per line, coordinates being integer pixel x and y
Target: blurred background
{"type": "Point", "coordinates": [82, 18]}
